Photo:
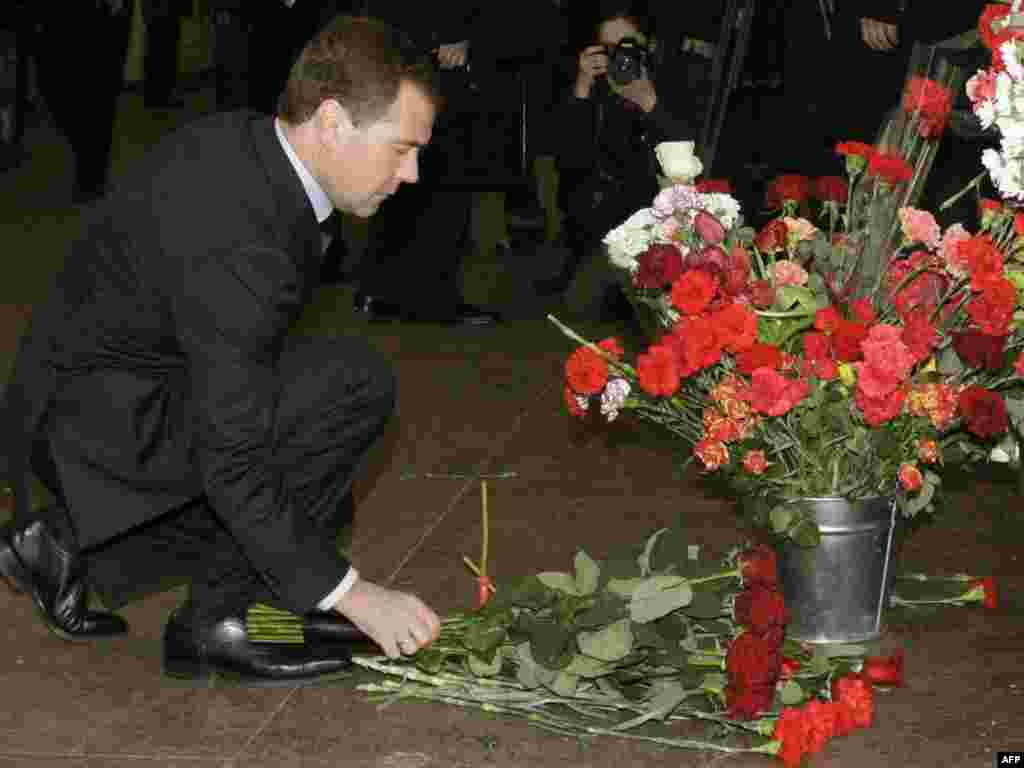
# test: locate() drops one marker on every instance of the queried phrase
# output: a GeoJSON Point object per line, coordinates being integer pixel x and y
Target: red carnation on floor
{"type": "Point", "coordinates": [760, 608]}
{"type": "Point", "coordinates": [884, 670]}
{"type": "Point", "coordinates": [657, 371]}
{"type": "Point", "coordinates": [586, 371]}
{"type": "Point", "coordinates": [758, 565]}
{"type": "Point", "coordinates": [988, 587]}
{"type": "Point", "coordinates": [855, 692]}
{"type": "Point", "coordinates": [793, 731]}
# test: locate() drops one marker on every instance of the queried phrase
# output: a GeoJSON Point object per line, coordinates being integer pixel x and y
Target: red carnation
{"type": "Point", "coordinates": [773, 394]}
{"type": "Point", "coordinates": [762, 294]}
{"type": "Point", "coordinates": [878, 410]}
{"type": "Point", "coordinates": [919, 335]}
{"type": "Point", "coordinates": [862, 311]}
{"type": "Point", "coordinates": [855, 692]}
{"type": "Point", "coordinates": [855, 149]}
{"type": "Point", "coordinates": [989, 15]}
{"type": "Point", "coordinates": [890, 168]}
{"type": "Point", "coordinates": [758, 355]}
{"type": "Point", "coordinates": [988, 587]}
{"type": "Point", "coordinates": [980, 350]}
{"type": "Point", "coordinates": [711, 258]}
{"type": "Point", "coordinates": [572, 402]}
{"type": "Point", "coordinates": [738, 272]}
{"type": "Point", "coordinates": [831, 189]}
{"type": "Point", "coordinates": [816, 346]}
{"type": "Point", "coordinates": [736, 326]}
{"type": "Point", "coordinates": [657, 371]}
{"type": "Point", "coordinates": [790, 187]}
{"type": "Point", "coordinates": [772, 237]}
{"type": "Point", "coordinates": [821, 718]}
{"type": "Point", "coordinates": [793, 731]}
{"type": "Point", "coordinates": [693, 291]}
{"type": "Point", "coordinates": [790, 667]}
{"type": "Point", "coordinates": [884, 670]}
{"type": "Point", "coordinates": [758, 566]}
{"type": "Point", "coordinates": [827, 320]}
{"type": "Point", "coordinates": [586, 371]}
{"type": "Point", "coordinates": [760, 609]}
{"type": "Point", "coordinates": [992, 309]}
{"type": "Point", "coordinates": [713, 186]}
{"type": "Point", "coordinates": [660, 265]}
{"type": "Point", "coordinates": [931, 102]}
{"type": "Point", "coordinates": [984, 261]}
{"type": "Point", "coordinates": [984, 411]}
{"type": "Point", "coordinates": [846, 341]}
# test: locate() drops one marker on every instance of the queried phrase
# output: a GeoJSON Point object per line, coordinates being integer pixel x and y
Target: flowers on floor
{"type": "Point", "coordinates": [654, 636]}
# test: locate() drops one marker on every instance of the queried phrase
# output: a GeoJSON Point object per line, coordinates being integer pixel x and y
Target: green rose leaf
{"type": "Point", "coordinates": [612, 643]}
{"type": "Point", "coordinates": [646, 636]}
{"type": "Point", "coordinates": [624, 587]}
{"type": "Point", "coordinates": [791, 693]}
{"type": "Point", "coordinates": [805, 533]}
{"type": "Point", "coordinates": [789, 296]}
{"type": "Point", "coordinates": [657, 596]}
{"type": "Point", "coordinates": [670, 552]}
{"type": "Point", "coordinates": [644, 560]}
{"type": "Point", "coordinates": [605, 609]}
{"type": "Point", "coordinates": [563, 684]}
{"type": "Point", "coordinates": [704, 605]}
{"type": "Point", "coordinates": [914, 504]}
{"type": "Point", "coordinates": [528, 592]}
{"type": "Point", "coordinates": [588, 573]}
{"type": "Point", "coordinates": [482, 667]}
{"type": "Point", "coordinates": [528, 671]}
{"type": "Point", "coordinates": [588, 667]}
{"type": "Point", "coordinates": [666, 695]}
{"type": "Point", "coordinates": [563, 582]}
{"type": "Point", "coordinates": [485, 637]}
{"type": "Point", "coordinates": [430, 661]}
{"type": "Point", "coordinates": [782, 517]}
{"type": "Point", "coordinates": [551, 644]}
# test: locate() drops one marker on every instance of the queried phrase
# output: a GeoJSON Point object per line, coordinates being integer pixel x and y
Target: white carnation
{"type": "Point", "coordinates": [614, 397]}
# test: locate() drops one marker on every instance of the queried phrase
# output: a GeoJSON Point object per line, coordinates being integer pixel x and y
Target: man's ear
{"type": "Point", "coordinates": [333, 122]}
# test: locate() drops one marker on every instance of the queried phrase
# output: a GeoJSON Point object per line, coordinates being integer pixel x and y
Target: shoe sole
{"type": "Point", "coordinates": [210, 678]}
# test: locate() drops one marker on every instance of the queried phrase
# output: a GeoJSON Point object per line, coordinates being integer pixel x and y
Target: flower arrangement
{"type": "Point", "coordinates": [831, 359]}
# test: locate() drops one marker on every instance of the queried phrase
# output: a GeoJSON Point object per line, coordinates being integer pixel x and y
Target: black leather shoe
{"type": "Point", "coordinates": [44, 564]}
{"type": "Point", "coordinates": [375, 308]}
{"type": "Point", "coordinates": [473, 316]}
{"type": "Point", "coordinates": [330, 627]}
{"type": "Point", "coordinates": [222, 649]}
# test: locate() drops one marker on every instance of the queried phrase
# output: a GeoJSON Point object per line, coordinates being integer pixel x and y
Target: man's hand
{"type": "Point", "coordinates": [398, 622]}
{"type": "Point", "coordinates": [593, 63]}
{"type": "Point", "coordinates": [453, 55]}
{"type": "Point", "coordinates": [641, 92]}
{"type": "Point", "coordinates": [879, 36]}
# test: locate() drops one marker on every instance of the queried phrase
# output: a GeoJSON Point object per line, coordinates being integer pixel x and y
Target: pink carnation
{"type": "Point", "coordinates": [920, 226]}
{"type": "Point", "coordinates": [948, 250]}
{"type": "Point", "coordinates": [789, 273]}
{"type": "Point", "coordinates": [982, 86]}
{"type": "Point", "coordinates": [799, 229]}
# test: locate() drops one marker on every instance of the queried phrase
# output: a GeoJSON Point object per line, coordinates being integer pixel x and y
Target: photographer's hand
{"type": "Point", "coordinates": [593, 63]}
{"type": "Point", "coordinates": [878, 35]}
{"type": "Point", "coordinates": [641, 92]}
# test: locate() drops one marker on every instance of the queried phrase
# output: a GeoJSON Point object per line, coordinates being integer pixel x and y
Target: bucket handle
{"type": "Point", "coordinates": [885, 567]}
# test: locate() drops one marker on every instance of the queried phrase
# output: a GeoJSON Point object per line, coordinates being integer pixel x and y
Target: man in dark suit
{"type": "Point", "coordinates": [157, 393]}
{"type": "Point", "coordinates": [163, 37]}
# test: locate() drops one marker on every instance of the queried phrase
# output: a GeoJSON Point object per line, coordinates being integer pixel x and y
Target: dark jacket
{"type": "Point", "coordinates": [155, 352]}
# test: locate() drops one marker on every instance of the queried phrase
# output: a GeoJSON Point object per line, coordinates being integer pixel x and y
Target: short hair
{"type": "Point", "coordinates": [360, 62]}
{"type": "Point", "coordinates": [634, 12]}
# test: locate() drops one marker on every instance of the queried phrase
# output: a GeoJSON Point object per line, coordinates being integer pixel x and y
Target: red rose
{"type": "Point", "coordinates": [753, 664]}
{"type": "Point", "coordinates": [846, 341]}
{"type": "Point", "coordinates": [862, 311]}
{"type": "Point", "coordinates": [738, 273]}
{"type": "Point", "coordinates": [760, 609]}
{"type": "Point", "coordinates": [890, 168]}
{"type": "Point", "coordinates": [758, 566]}
{"type": "Point", "coordinates": [831, 189]}
{"type": "Point", "coordinates": [586, 371]}
{"type": "Point", "coordinates": [748, 703]}
{"type": "Point", "coordinates": [772, 237]}
{"type": "Point", "coordinates": [762, 294]}
{"type": "Point", "coordinates": [984, 411]}
{"type": "Point", "coordinates": [714, 186]}
{"type": "Point", "coordinates": [657, 371]}
{"type": "Point", "coordinates": [758, 355]}
{"type": "Point", "coordinates": [931, 102]}
{"type": "Point", "coordinates": [693, 291]}
{"type": "Point", "coordinates": [737, 327]}
{"type": "Point", "coordinates": [884, 670]}
{"type": "Point", "coordinates": [708, 228]}
{"type": "Point", "coordinates": [980, 350]}
{"type": "Point", "coordinates": [827, 320]}
{"type": "Point", "coordinates": [992, 309]}
{"type": "Point", "coordinates": [772, 393]}
{"type": "Point", "coordinates": [660, 265]}
{"type": "Point", "coordinates": [919, 335]}
{"type": "Point", "coordinates": [989, 15]}
{"type": "Point", "coordinates": [855, 692]}
{"type": "Point", "coordinates": [988, 587]}
{"type": "Point", "coordinates": [788, 187]}
{"type": "Point", "coordinates": [879, 410]}
{"type": "Point", "coordinates": [793, 731]}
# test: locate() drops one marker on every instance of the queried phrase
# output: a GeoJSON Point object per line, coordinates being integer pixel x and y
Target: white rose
{"type": "Point", "coordinates": [678, 161]}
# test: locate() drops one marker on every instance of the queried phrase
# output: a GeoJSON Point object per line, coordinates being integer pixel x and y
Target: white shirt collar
{"type": "Point", "coordinates": [321, 203]}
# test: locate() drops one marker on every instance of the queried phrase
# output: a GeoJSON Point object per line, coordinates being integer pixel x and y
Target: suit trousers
{"type": "Point", "coordinates": [338, 396]}
{"type": "Point", "coordinates": [163, 36]}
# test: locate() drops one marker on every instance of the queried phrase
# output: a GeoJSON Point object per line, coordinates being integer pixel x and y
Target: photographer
{"type": "Point", "coordinates": [607, 131]}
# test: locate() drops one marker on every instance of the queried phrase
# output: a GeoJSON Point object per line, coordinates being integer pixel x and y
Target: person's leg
{"type": "Point", "coordinates": [163, 34]}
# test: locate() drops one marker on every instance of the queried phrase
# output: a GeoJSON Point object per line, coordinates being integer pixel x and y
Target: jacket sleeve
{"type": "Point", "coordinates": [232, 312]}
{"type": "Point", "coordinates": [573, 123]}
{"type": "Point", "coordinates": [921, 22]}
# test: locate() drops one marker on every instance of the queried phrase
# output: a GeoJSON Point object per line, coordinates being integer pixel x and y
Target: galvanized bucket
{"type": "Point", "coordinates": [836, 592]}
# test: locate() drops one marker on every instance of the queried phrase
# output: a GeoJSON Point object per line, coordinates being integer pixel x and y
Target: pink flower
{"type": "Point", "coordinates": [982, 86]}
{"type": "Point", "coordinates": [910, 477]}
{"type": "Point", "coordinates": [788, 273]}
{"type": "Point", "coordinates": [799, 229]}
{"type": "Point", "coordinates": [709, 228]}
{"type": "Point", "coordinates": [887, 361]}
{"type": "Point", "coordinates": [919, 226]}
{"type": "Point", "coordinates": [949, 251]}
{"type": "Point", "coordinates": [755, 462]}
{"type": "Point", "coordinates": [711, 453]}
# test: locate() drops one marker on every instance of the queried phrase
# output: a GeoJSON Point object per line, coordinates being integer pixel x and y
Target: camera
{"type": "Point", "coordinates": [627, 61]}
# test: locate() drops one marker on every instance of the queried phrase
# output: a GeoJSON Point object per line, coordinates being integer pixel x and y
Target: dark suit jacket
{"type": "Point", "coordinates": [154, 358]}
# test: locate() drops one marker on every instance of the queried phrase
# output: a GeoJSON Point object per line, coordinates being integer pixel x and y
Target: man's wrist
{"type": "Point", "coordinates": [336, 594]}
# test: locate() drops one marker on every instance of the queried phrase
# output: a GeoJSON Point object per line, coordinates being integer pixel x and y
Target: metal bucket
{"type": "Point", "coordinates": [836, 592]}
